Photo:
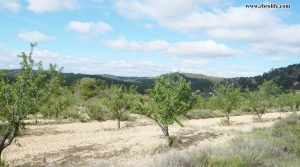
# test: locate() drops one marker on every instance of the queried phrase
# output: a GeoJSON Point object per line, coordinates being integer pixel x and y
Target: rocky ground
{"type": "Point", "coordinates": [96, 143]}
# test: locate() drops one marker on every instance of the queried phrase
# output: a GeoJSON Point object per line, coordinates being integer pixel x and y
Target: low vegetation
{"type": "Point", "coordinates": [275, 146]}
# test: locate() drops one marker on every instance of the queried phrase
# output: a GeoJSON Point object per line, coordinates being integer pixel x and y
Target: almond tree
{"type": "Point", "coordinates": [258, 103]}
{"type": "Point", "coordinates": [170, 97]}
{"type": "Point", "coordinates": [119, 100]}
{"type": "Point", "coordinates": [24, 96]}
{"type": "Point", "coordinates": [265, 97]}
{"type": "Point", "coordinates": [226, 98]}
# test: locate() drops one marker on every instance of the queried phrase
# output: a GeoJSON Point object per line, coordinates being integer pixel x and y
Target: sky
{"type": "Point", "coordinates": [219, 38]}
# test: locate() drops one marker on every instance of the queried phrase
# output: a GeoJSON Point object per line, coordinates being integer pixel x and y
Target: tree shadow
{"type": "Point", "coordinates": [43, 131]}
{"type": "Point", "coordinates": [74, 156]}
{"type": "Point", "coordinates": [192, 137]}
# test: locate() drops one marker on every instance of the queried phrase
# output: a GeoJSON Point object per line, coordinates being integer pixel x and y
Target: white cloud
{"type": "Point", "coordinates": [194, 63]}
{"type": "Point", "coordinates": [86, 64]}
{"type": "Point", "coordinates": [87, 29]}
{"type": "Point", "coordinates": [11, 5]}
{"type": "Point", "coordinates": [33, 36]}
{"type": "Point", "coordinates": [278, 58]}
{"type": "Point", "coordinates": [8, 58]}
{"type": "Point", "coordinates": [45, 54]}
{"type": "Point", "coordinates": [97, 65]}
{"type": "Point", "coordinates": [208, 48]}
{"type": "Point", "coordinates": [43, 6]}
{"type": "Point", "coordinates": [137, 46]}
{"type": "Point", "coordinates": [260, 28]}
{"type": "Point", "coordinates": [160, 10]}
{"type": "Point", "coordinates": [229, 71]}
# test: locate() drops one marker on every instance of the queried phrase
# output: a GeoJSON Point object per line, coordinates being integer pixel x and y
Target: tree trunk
{"type": "Point", "coordinates": [259, 115]}
{"type": "Point", "coordinates": [1, 154]}
{"type": "Point", "coordinates": [118, 123]}
{"type": "Point", "coordinates": [227, 116]}
{"type": "Point", "coordinates": [56, 114]}
{"type": "Point", "coordinates": [165, 130]}
{"type": "Point", "coordinates": [8, 137]}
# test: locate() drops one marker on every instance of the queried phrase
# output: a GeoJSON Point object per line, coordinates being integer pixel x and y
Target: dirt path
{"type": "Point", "coordinates": [89, 144]}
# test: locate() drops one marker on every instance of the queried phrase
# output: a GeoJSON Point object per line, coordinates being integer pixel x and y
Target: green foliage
{"type": "Point", "coordinates": [297, 102]}
{"type": "Point", "coordinates": [204, 102]}
{"type": "Point", "coordinates": [269, 89]}
{"type": "Point", "coordinates": [59, 101]}
{"type": "Point", "coordinates": [72, 112]}
{"type": "Point", "coordinates": [290, 100]}
{"type": "Point", "coordinates": [97, 111]}
{"type": "Point", "coordinates": [170, 97]}
{"type": "Point", "coordinates": [3, 164]}
{"type": "Point", "coordinates": [175, 142]}
{"type": "Point", "coordinates": [263, 98]}
{"type": "Point", "coordinates": [32, 88]}
{"type": "Point", "coordinates": [203, 114]}
{"type": "Point", "coordinates": [286, 77]}
{"type": "Point", "coordinates": [258, 103]}
{"type": "Point", "coordinates": [226, 98]}
{"type": "Point", "coordinates": [87, 88]}
{"type": "Point", "coordinates": [286, 134]}
{"type": "Point", "coordinates": [119, 100]}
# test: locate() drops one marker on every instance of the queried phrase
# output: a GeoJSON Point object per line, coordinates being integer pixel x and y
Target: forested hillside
{"type": "Point", "coordinates": [286, 77]}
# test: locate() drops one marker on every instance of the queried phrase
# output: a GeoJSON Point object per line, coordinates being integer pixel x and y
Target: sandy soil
{"type": "Point", "coordinates": [93, 143]}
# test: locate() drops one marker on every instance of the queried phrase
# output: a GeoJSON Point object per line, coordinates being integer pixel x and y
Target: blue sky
{"type": "Point", "coordinates": [152, 37]}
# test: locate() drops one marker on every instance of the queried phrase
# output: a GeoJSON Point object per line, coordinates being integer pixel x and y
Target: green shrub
{"type": "Point", "coordinates": [162, 148]}
{"type": "Point", "coordinates": [286, 133]}
{"type": "Point", "coordinates": [3, 164]}
{"type": "Point", "coordinates": [203, 114]}
{"type": "Point", "coordinates": [97, 111]}
{"type": "Point", "coordinates": [84, 117]}
{"type": "Point", "coordinates": [71, 112]}
{"type": "Point", "coordinates": [174, 142]}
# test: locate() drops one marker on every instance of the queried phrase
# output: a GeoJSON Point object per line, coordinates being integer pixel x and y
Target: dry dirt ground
{"type": "Point", "coordinates": [93, 143]}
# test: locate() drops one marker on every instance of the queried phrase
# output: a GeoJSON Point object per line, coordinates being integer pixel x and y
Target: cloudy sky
{"type": "Point", "coordinates": [152, 37]}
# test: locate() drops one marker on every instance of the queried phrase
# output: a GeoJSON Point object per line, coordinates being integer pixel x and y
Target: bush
{"type": "Point", "coordinates": [3, 164]}
{"type": "Point", "coordinates": [71, 112]}
{"type": "Point", "coordinates": [84, 117]}
{"type": "Point", "coordinates": [203, 114]}
{"type": "Point", "coordinates": [287, 134]}
{"type": "Point", "coordinates": [175, 142]}
{"type": "Point", "coordinates": [97, 111]}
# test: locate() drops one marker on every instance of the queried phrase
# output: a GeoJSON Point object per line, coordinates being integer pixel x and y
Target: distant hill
{"type": "Point", "coordinates": [286, 77]}
{"type": "Point", "coordinates": [198, 81]}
